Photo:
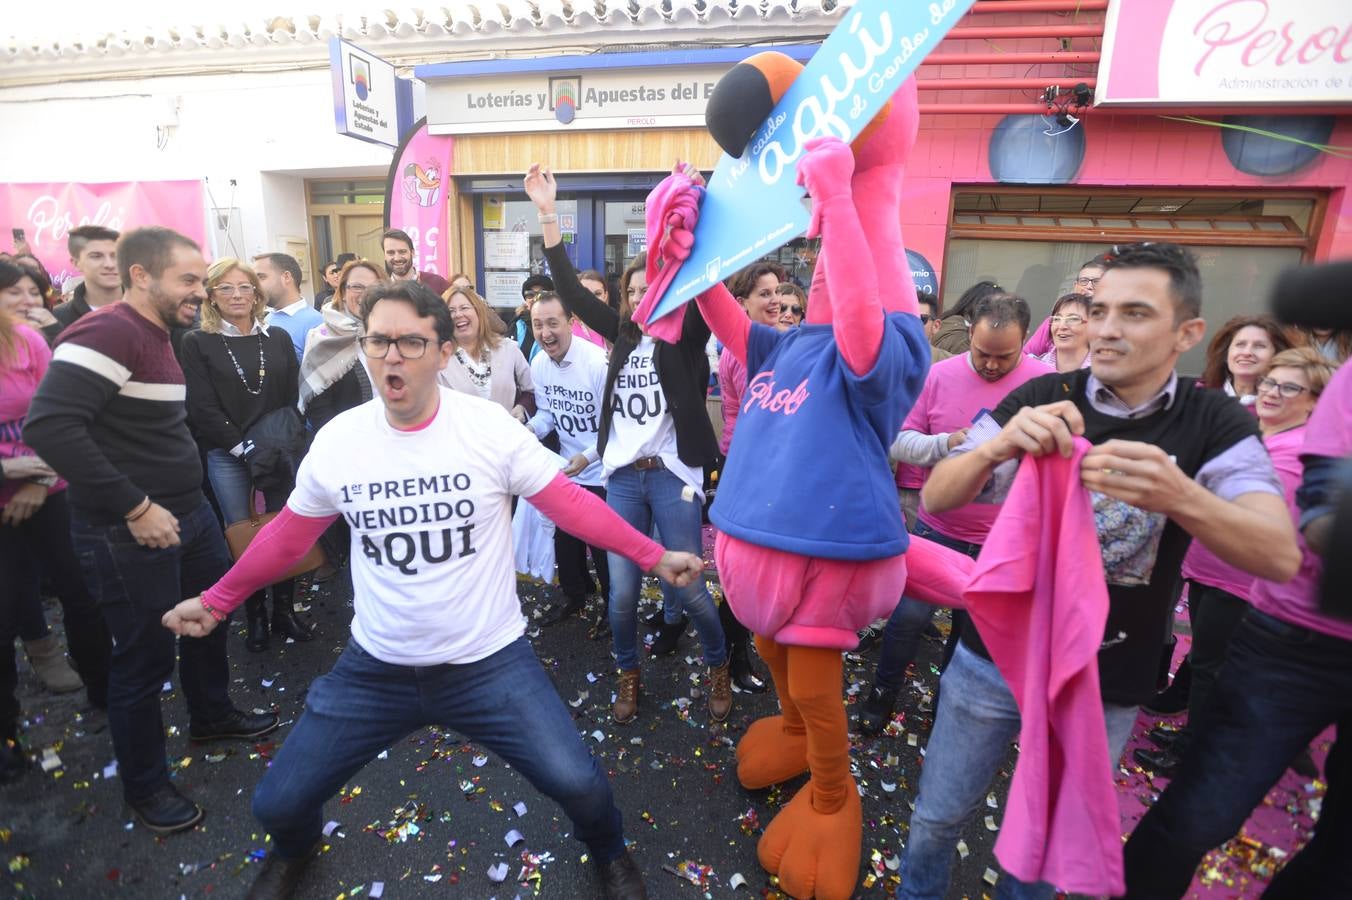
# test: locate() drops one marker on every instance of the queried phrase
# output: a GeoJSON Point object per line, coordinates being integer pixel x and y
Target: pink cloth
{"type": "Point", "coordinates": [1297, 601]}
{"type": "Point", "coordinates": [19, 378]}
{"type": "Point", "coordinates": [1204, 566]}
{"type": "Point", "coordinates": [732, 382]}
{"type": "Point", "coordinates": [580, 330]}
{"type": "Point", "coordinates": [811, 602]}
{"type": "Point", "coordinates": [672, 210]}
{"type": "Point", "coordinates": [952, 397]}
{"type": "Point", "coordinates": [1041, 341]}
{"type": "Point", "coordinates": [283, 541]}
{"type": "Point", "coordinates": [1039, 599]}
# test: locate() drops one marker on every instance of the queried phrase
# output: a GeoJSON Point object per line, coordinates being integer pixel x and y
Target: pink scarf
{"type": "Point", "coordinates": [672, 210]}
{"type": "Point", "coordinates": [1039, 599]}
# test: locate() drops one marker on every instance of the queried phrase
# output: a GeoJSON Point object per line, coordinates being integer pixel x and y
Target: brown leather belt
{"type": "Point", "coordinates": [649, 462]}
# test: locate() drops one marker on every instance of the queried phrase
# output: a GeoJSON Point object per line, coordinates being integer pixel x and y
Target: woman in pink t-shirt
{"type": "Point", "coordinates": [1218, 593]}
{"type": "Point", "coordinates": [35, 540]}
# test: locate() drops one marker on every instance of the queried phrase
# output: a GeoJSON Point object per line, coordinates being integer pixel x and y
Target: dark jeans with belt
{"type": "Point", "coordinates": [1281, 685]}
{"type": "Point", "coordinates": [42, 545]}
{"type": "Point", "coordinates": [571, 556]}
{"type": "Point", "coordinates": [135, 586]}
{"type": "Point", "coordinates": [1215, 615]}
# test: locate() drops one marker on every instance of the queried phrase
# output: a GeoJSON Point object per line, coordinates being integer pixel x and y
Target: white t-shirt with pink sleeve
{"type": "Point", "coordinates": [430, 513]}
{"type": "Point", "coordinates": [953, 397]}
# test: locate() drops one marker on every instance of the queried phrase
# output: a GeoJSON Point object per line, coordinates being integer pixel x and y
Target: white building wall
{"type": "Point", "coordinates": [264, 132]}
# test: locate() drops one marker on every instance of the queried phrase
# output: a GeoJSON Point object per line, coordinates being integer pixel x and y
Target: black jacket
{"type": "Point", "coordinates": [66, 313]}
{"type": "Point", "coordinates": [220, 408]}
{"type": "Point", "coordinates": [682, 368]}
{"type": "Point", "coordinates": [342, 395]}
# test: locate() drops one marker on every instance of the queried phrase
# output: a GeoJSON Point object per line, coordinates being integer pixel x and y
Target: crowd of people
{"type": "Point", "coordinates": [172, 437]}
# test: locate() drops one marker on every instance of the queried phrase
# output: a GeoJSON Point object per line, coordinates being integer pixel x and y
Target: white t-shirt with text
{"type": "Point", "coordinates": [640, 423]}
{"type": "Point", "coordinates": [430, 515]}
{"type": "Point", "coordinates": [568, 400]}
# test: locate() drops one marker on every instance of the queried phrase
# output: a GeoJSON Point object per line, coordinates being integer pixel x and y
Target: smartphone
{"type": "Point", "coordinates": [18, 235]}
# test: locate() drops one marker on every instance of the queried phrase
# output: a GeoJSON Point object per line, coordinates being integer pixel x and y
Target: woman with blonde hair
{"type": "Point", "coordinates": [485, 365]}
{"type": "Point", "coordinates": [332, 379]}
{"type": "Point", "coordinates": [238, 370]}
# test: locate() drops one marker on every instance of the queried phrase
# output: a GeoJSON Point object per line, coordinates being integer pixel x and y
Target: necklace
{"type": "Point", "coordinates": [480, 376]}
{"type": "Point", "coordinates": [239, 370]}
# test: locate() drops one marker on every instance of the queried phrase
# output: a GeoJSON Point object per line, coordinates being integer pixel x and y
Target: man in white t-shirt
{"type": "Point", "coordinates": [570, 377]}
{"type": "Point", "coordinates": [438, 636]}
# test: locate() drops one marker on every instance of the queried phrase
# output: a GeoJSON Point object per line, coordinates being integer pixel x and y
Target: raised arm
{"type": "Point", "coordinates": [599, 317]}
{"type": "Point", "coordinates": [851, 280]}
{"type": "Point", "coordinates": [726, 319]}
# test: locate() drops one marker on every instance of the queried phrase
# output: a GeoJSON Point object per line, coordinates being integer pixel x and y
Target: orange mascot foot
{"type": "Point", "coordinates": [770, 752]}
{"type": "Point", "coordinates": [815, 854]}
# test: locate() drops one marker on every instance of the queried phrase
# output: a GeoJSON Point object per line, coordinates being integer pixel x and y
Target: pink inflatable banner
{"type": "Point", "coordinates": [47, 212]}
{"type": "Point", "coordinates": [415, 196]}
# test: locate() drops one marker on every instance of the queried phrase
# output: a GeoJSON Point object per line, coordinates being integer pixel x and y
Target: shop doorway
{"type": "Point", "coordinates": [345, 216]}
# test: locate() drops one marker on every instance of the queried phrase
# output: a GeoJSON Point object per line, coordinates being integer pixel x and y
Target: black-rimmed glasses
{"type": "Point", "coordinates": [1287, 389]}
{"type": "Point", "coordinates": [411, 346]}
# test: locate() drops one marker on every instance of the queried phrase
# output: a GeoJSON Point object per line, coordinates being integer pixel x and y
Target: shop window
{"type": "Point", "coordinates": [1241, 243]}
{"type": "Point", "coordinates": [366, 190]}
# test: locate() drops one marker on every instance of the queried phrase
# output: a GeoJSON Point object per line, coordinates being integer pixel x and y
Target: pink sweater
{"type": "Point", "coordinates": [1039, 599]}
{"type": "Point", "coordinates": [19, 378]}
{"type": "Point", "coordinates": [952, 397]}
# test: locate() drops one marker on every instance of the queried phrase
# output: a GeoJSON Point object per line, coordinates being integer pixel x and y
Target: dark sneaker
{"type": "Point", "coordinates": [868, 636]}
{"type": "Point", "coordinates": [878, 709]}
{"type": "Point", "coordinates": [166, 811]}
{"type": "Point", "coordinates": [558, 613]}
{"type": "Point", "coordinates": [668, 636]}
{"type": "Point", "coordinates": [237, 726]}
{"type": "Point", "coordinates": [1164, 738]}
{"type": "Point", "coordinates": [622, 880]}
{"type": "Point", "coordinates": [279, 877]}
{"type": "Point", "coordinates": [1161, 762]}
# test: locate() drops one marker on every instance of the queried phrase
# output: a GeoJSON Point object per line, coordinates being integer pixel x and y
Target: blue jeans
{"type": "Point", "coordinates": [644, 498]}
{"type": "Point", "coordinates": [134, 586]}
{"type": "Point", "coordinates": [976, 721]}
{"type": "Point", "coordinates": [901, 636]}
{"type": "Point", "coordinates": [363, 706]}
{"type": "Point", "coordinates": [234, 489]}
{"type": "Point", "coordinates": [1281, 685]}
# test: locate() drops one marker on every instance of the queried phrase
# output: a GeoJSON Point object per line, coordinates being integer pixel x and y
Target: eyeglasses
{"type": "Point", "coordinates": [1286, 388]}
{"type": "Point", "coordinates": [411, 346]}
{"type": "Point", "coordinates": [1087, 281]}
{"type": "Point", "coordinates": [796, 310]}
{"type": "Point", "coordinates": [244, 290]}
{"type": "Point", "coordinates": [1068, 321]}
{"type": "Point", "coordinates": [925, 318]}
{"type": "Point", "coordinates": [356, 290]}
{"type": "Point", "coordinates": [533, 295]}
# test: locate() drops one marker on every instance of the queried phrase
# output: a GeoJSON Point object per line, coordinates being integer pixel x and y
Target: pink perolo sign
{"type": "Point", "coordinates": [416, 196]}
{"type": "Point", "coordinates": [48, 211]}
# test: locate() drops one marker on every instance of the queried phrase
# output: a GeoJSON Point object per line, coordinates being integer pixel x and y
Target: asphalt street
{"type": "Point", "coordinates": [434, 816]}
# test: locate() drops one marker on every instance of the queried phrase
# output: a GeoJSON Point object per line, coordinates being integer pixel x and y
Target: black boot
{"type": "Point", "coordinates": [256, 609]}
{"type": "Point", "coordinates": [561, 611]}
{"type": "Point", "coordinates": [621, 880]}
{"type": "Point", "coordinates": [743, 676]}
{"type": "Point", "coordinates": [878, 708]}
{"type": "Point", "coordinates": [668, 636]}
{"type": "Point", "coordinates": [279, 877]}
{"type": "Point", "coordinates": [285, 622]}
{"type": "Point", "coordinates": [1174, 699]}
{"type": "Point", "coordinates": [13, 762]}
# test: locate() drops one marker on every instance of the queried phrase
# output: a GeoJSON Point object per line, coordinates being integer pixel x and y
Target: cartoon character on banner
{"type": "Point", "coordinates": [807, 561]}
{"type": "Point", "coordinates": [422, 183]}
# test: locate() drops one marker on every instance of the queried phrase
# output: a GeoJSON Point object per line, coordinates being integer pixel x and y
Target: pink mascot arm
{"type": "Point", "coordinates": [847, 294]}
{"type": "Point", "coordinates": [277, 547]}
{"type": "Point", "coordinates": [880, 167]}
{"type": "Point", "coordinates": [726, 319]}
{"type": "Point", "coordinates": [936, 574]}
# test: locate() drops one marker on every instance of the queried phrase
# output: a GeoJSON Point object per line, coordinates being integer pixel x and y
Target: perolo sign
{"type": "Point", "coordinates": [753, 204]}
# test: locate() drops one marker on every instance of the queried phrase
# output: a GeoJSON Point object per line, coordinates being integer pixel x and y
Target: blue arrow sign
{"type": "Point", "coordinates": [754, 204]}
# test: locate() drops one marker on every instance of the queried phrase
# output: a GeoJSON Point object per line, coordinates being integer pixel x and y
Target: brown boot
{"type": "Point", "coordinates": [48, 659]}
{"type": "Point", "coordinates": [625, 709]}
{"type": "Point", "coordinates": [720, 691]}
